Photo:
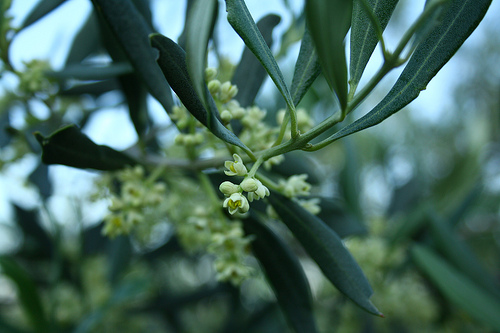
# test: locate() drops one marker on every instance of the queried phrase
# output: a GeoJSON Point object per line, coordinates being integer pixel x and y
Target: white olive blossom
{"type": "Point", "coordinates": [236, 168]}
{"type": "Point", "coordinates": [296, 185]}
{"type": "Point", "coordinates": [227, 92]}
{"type": "Point", "coordinates": [261, 192]}
{"type": "Point", "coordinates": [236, 203]}
{"type": "Point", "coordinates": [311, 205]}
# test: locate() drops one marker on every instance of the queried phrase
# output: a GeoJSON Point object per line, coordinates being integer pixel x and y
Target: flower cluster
{"type": "Point", "coordinates": [235, 200]}
{"type": "Point", "coordinates": [136, 199]}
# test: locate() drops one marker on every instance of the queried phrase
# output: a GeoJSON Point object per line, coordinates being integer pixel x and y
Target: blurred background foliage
{"type": "Point", "coordinates": [419, 209]}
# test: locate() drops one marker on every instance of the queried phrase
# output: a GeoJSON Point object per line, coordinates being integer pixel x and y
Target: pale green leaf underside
{"type": "Point", "coordinates": [200, 25]}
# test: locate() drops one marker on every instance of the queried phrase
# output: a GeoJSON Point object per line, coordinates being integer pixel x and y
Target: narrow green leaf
{"type": "Point", "coordinates": [249, 75]}
{"type": "Point", "coordinates": [242, 22]}
{"type": "Point", "coordinates": [136, 95]}
{"type": "Point", "coordinates": [86, 41]}
{"type": "Point", "coordinates": [459, 21]}
{"type": "Point", "coordinates": [27, 294]}
{"type": "Point", "coordinates": [37, 244]}
{"type": "Point", "coordinates": [88, 72]}
{"type": "Point", "coordinates": [41, 9]}
{"type": "Point", "coordinates": [364, 38]}
{"type": "Point", "coordinates": [132, 31]}
{"type": "Point", "coordinates": [335, 215]}
{"type": "Point", "coordinates": [326, 248]}
{"type": "Point", "coordinates": [200, 25]}
{"type": "Point", "coordinates": [329, 21]}
{"type": "Point", "coordinates": [94, 88]}
{"type": "Point", "coordinates": [119, 256]}
{"type": "Point", "coordinates": [461, 256]}
{"type": "Point", "coordinates": [172, 62]}
{"type": "Point", "coordinates": [307, 68]}
{"type": "Point", "coordinates": [284, 273]}
{"type": "Point", "coordinates": [457, 288]}
{"type": "Point", "coordinates": [68, 146]}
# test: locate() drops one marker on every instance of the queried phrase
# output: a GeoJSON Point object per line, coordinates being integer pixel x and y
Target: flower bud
{"type": "Point", "coordinates": [214, 87]}
{"type": "Point", "coordinates": [228, 188]}
{"type": "Point", "coordinates": [227, 92]}
{"type": "Point", "coordinates": [210, 73]}
{"type": "Point", "coordinates": [249, 185]}
{"type": "Point", "coordinates": [226, 116]}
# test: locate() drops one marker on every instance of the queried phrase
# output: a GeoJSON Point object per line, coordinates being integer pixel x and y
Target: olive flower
{"type": "Point", "coordinates": [260, 192]}
{"type": "Point", "coordinates": [236, 202]}
{"type": "Point", "coordinates": [236, 168]}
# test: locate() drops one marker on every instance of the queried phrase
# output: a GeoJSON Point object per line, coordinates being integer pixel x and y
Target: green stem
{"type": "Point", "coordinates": [281, 134]}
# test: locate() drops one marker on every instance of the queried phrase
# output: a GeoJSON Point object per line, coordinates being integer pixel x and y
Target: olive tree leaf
{"type": "Point", "coordinates": [307, 68]}
{"type": "Point", "coordinates": [249, 74]}
{"type": "Point", "coordinates": [86, 41]}
{"type": "Point", "coordinates": [200, 25]}
{"type": "Point", "coordinates": [326, 248]}
{"type": "Point", "coordinates": [41, 9]}
{"type": "Point", "coordinates": [284, 273]}
{"type": "Point", "coordinates": [172, 61]}
{"type": "Point", "coordinates": [242, 22]}
{"type": "Point", "coordinates": [364, 38]}
{"type": "Point", "coordinates": [68, 146]}
{"type": "Point", "coordinates": [89, 72]}
{"type": "Point", "coordinates": [458, 22]}
{"type": "Point", "coordinates": [132, 31]}
{"type": "Point", "coordinates": [27, 293]}
{"type": "Point", "coordinates": [457, 288]}
{"type": "Point", "coordinates": [328, 22]}
{"type": "Point", "coordinates": [461, 256]}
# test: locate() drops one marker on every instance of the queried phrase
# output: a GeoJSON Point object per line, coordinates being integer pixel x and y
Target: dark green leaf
{"type": "Point", "coordinates": [328, 22]}
{"type": "Point", "coordinates": [461, 256]}
{"type": "Point", "coordinates": [37, 244]}
{"type": "Point", "coordinates": [119, 255]}
{"type": "Point", "coordinates": [136, 94]}
{"type": "Point", "coordinates": [41, 9]}
{"type": "Point", "coordinates": [87, 72]}
{"type": "Point", "coordinates": [5, 137]}
{"type": "Point", "coordinates": [307, 68]}
{"type": "Point", "coordinates": [249, 75]}
{"type": "Point", "coordinates": [339, 219]}
{"type": "Point", "coordinates": [172, 62]}
{"type": "Point", "coordinates": [132, 31]}
{"type": "Point", "coordinates": [94, 88]}
{"type": "Point", "coordinates": [460, 19]}
{"type": "Point", "coordinates": [68, 146]}
{"type": "Point", "coordinates": [284, 273]}
{"type": "Point", "coordinates": [86, 41]}
{"type": "Point", "coordinates": [27, 294]}
{"type": "Point", "coordinates": [364, 38]}
{"type": "Point", "coordinates": [457, 288]}
{"type": "Point", "coordinates": [242, 22]}
{"type": "Point", "coordinates": [5, 325]}
{"type": "Point", "coordinates": [326, 248]}
{"type": "Point", "coordinates": [40, 178]}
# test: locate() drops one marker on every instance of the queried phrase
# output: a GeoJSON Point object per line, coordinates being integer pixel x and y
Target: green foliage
{"type": "Point", "coordinates": [226, 215]}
